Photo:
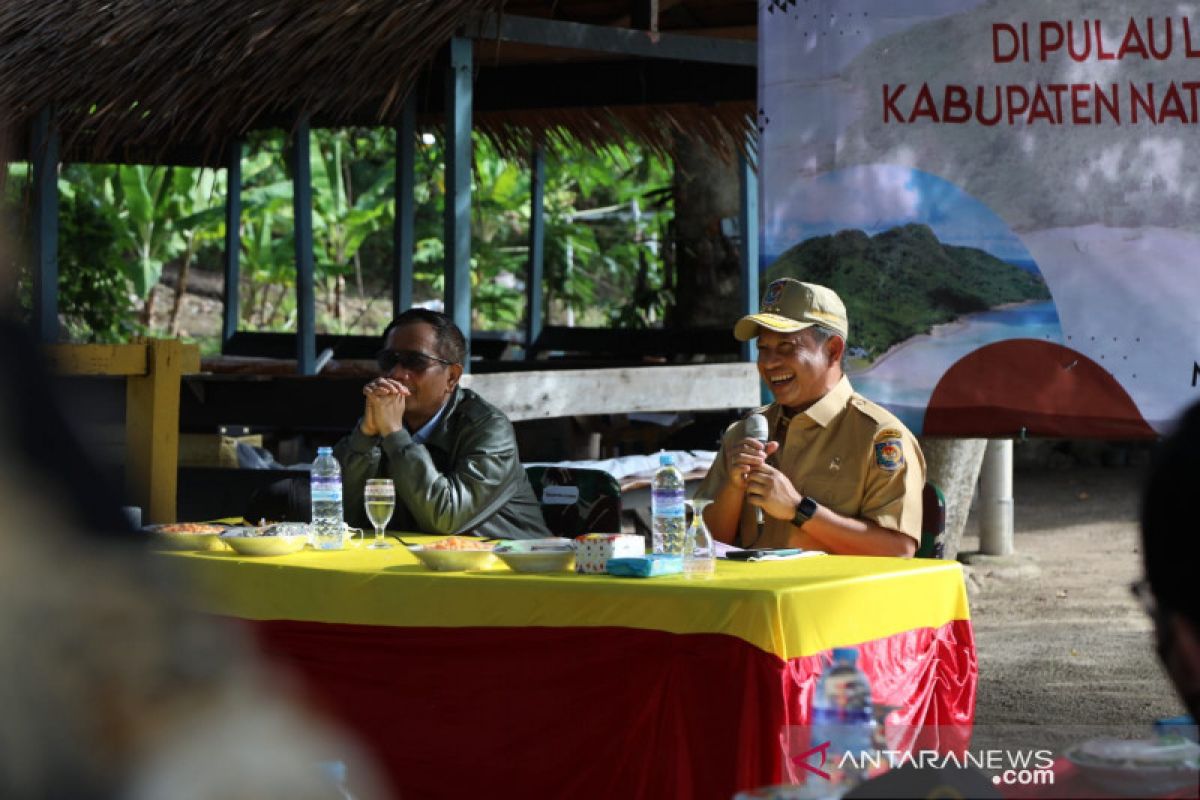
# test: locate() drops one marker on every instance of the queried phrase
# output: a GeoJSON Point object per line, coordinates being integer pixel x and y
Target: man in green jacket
{"type": "Point", "coordinates": [451, 454]}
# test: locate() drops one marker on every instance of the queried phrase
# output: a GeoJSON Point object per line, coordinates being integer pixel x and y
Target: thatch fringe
{"type": "Point", "coordinates": [725, 127]}
{"type": "Point", "coordinates": [145, 74]}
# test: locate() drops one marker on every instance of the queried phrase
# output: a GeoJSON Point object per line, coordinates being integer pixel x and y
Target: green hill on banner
{"type": "Point", "coordinates": [903, 281]}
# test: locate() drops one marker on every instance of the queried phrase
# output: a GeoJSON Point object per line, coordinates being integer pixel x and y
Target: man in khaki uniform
{"type": "Point", "coordinates": [840, 473]}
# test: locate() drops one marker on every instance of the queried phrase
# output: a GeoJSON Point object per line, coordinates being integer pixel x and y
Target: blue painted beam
{"type": "Point", "coordinates": [306, 332]}
{"type": "Point", "coordinates": [537, 236]}
{"type": "Point", "coordinates": [457, 242]}
{"type": "Point", "coordinates": [44, 146]}
{"type": "Point", "coordinates": [748, 226]}
{"type": "Point", "coordinates": [402, 233]}
{"type": "Point", "coordinates": [233, 242]}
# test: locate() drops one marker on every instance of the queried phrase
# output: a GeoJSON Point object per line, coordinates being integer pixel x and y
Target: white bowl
{"type": "Point", "coordinates": [453, 560]}
{"type": "Point", "coordinates": [176, 540]}
{"type": "Point", "coordinates": [538, 555]}
{"type": "Point", "coordinates": [251, 542]}
{"type": "Point", "coordinates": [1138, 767]}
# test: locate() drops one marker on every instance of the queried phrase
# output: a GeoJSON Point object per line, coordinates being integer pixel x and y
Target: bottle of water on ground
{"type": "Point", "coordinates": [327, 526]}
{"type": "Point", "coordinates": [842, 715]}
{"type": "Point", "coordinates": [668, 521]}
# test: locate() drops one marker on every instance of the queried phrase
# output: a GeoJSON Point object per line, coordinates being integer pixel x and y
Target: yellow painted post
{"type": "Point", "coordinates": [152, 427]}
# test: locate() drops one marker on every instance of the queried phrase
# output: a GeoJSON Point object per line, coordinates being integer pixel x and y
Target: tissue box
{"type": "Point", "coordinates": [593, 550]}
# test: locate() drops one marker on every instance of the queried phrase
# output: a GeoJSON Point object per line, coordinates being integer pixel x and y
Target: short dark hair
{"type": "Point", "coordinates": [451, 344]}
{"type": "Point", "coordinates": [1170, 547]}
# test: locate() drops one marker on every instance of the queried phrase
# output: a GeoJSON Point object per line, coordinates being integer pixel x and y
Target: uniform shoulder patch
{"type": "Point", "coordinates": [889, 449]}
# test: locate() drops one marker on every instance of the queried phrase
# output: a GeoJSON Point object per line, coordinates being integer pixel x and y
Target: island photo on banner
{"type": "Point", "coordinates": [1004, 193]}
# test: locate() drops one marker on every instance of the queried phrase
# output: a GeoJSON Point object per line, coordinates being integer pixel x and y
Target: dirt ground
{"type": "Point", "coordinates": [1060, 638]}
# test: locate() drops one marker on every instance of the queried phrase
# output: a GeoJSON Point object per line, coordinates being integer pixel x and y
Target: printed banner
{"type": "Point", "coordinates": [1006, 194]}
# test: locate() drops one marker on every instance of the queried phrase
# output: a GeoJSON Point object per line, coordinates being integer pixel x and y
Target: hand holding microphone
{"type": "Point", "coordinates": [756, 428]}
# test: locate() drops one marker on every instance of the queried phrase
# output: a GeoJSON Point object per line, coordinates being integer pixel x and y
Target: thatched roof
{"type": "Point", "coordinates": [174, 82]}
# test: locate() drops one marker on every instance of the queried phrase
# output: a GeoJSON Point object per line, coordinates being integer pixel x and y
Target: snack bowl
{"type": "Point", "coordinates": [538, 555]}
{"type": "Point", "coordinates": [187, 535]}
{"type": "Point", "coordinates": [274, 540]}
{"type": "Point", "coordinates": [442, 559]}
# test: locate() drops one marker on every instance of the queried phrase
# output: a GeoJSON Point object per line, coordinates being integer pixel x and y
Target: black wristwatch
{"type": "Point", "coordinates": [804, 511]}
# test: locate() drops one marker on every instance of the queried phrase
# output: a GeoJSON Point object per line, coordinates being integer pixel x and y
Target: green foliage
{"type": "Point", "coordinates": [604, 211]}
{"type": "Point", "coordinates": [904, 281]}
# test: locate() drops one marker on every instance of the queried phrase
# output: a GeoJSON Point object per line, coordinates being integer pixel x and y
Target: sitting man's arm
{"type": "Point", "coordinates": [472, 490]}
{"type": "Point", "coordinates": [889, 521]}
{"type": "Point", "coordinates": [771, 490]}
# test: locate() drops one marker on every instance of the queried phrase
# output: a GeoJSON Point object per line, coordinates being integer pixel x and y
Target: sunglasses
{"type": "Point", "coordinates": [411, 360]}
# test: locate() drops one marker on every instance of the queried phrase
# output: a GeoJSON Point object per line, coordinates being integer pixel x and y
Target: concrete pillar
{"type": "Point", "coordinates": [995, 499]}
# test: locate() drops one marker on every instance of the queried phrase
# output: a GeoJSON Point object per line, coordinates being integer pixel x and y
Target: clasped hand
{"type": "Point", "coordinates": [764, 485]}
{"type": "Point", "coordinates": [384, 409]}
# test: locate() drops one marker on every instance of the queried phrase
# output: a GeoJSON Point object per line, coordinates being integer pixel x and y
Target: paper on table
{"type": "Point", "coordinates": [722, 550]}
{"type": "Point", "coordinates": [777, 557]}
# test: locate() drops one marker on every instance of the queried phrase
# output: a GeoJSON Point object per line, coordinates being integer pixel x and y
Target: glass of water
{"type": "Point", "coordinates": [380, 498]}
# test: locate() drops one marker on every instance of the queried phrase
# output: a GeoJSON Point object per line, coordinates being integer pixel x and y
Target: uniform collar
{"type": "Point", "coordinates": [825, 410]}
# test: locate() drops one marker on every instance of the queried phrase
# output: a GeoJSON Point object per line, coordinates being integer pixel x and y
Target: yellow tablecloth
{"type": "Point", "coordinates": [788, 608]}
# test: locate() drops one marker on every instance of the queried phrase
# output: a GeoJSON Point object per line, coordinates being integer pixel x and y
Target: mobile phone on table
{"type": "Point", "coordinates": [755, 552]}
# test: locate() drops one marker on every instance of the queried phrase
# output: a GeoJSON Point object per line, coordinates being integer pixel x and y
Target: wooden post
{"type": "Point", "coordinates": [302, 224]}
{"type": "Point", "coordinates": [458, 189]}
{"type": "Point", "coordinates": [233, 242]}
{"type": "Point", "coordinates": [748, 225]}
{"type": "Point", "coordinates": [537, 235]}
{"type": "Point", "coordinates": [44, 158]}
{"type": "Point", "coordinates": [402, 234]}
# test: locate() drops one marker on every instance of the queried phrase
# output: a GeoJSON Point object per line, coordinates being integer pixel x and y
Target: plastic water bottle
{"type": "Point", "coordinates": [668, 521]}
{"type": "Point", "coordinates": [842, 715]}
{"type": "Point", "coordinates": [699, 553]}
{"type": "Point", "coordinates": [328, 529]}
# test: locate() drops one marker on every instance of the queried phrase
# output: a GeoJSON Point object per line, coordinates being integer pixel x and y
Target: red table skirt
{"type": "Point", "coordinates": [596, 712]}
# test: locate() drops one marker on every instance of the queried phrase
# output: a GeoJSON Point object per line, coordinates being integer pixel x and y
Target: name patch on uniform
{"type": "Point", "coordinates": [889, 450]}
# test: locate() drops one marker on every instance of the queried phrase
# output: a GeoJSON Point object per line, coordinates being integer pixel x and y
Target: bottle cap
{"type": "Point", "coordinates": [324, 451]}
{"type": "Point", "coordinates": [848, 654]}
{"type": "Point", "coordinates": [666, 459]}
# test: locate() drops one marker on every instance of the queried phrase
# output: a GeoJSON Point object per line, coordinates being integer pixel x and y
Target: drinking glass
{"type": "Point", "coordinates": [380, 498]}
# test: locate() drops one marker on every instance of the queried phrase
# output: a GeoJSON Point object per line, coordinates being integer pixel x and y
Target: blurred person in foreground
{"type": "Point", "coordinates": [451, 455]}
{"type": "Point", "coordinates": [1171, 552]}
{"type": "Point", "coordinates": [838, 472]}
{"type": "Point", "coordinates": [112, 686]}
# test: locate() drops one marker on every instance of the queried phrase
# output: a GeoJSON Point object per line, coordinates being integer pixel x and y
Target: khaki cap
{"type": "Point", "coordinates": [789, 306]}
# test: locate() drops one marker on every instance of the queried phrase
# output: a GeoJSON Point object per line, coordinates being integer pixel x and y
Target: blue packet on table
{"type": "Point", "coordinates": [645, 566]}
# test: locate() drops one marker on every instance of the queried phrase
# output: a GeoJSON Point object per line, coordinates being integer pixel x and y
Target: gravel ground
{"type": "Point", "coordinates": [1060, 638]}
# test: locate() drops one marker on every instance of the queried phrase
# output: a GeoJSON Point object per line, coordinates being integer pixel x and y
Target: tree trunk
{"type": "Point", "coordinates": [953, 466]}
{"type": "Point", "coordinates": [707, 264]}
{"type": "Point", "coordinates": [185, 267]}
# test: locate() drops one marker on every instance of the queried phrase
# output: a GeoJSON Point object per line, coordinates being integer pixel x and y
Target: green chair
{"type": "Point", "coordinates": [933, 522]}
{"type": "Point", "coordinates": [576, 501]}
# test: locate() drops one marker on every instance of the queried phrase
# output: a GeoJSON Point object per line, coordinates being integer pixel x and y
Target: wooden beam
{"type": "Point", "coordinates": [233, 242]}
{"type": "Point", "coordinates": [44, 143]}
{"type": "Point", "coordinates": [98, 359]}
{"type": "Point", "coordinates": [537, 234]}
{"type": "Point", "coordinates": [619, 41]}
{"type": "Point", "coordinates": [302, 225]}
{"type": "Point", "coordinates": [565, 393]}
{"type": "Point", "coordinates": [629, 83]}
{"type": "Point", "coordinates": [457, 242]}
{"type": "Point", "coordinates": [402, 232]}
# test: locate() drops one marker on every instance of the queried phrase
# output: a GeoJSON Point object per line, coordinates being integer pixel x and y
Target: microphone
{"type": "Point", "coordinates": [756, 428]}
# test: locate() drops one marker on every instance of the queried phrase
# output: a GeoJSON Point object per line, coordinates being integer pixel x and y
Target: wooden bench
{"type": "Point", "coordinates": [152, 372]}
